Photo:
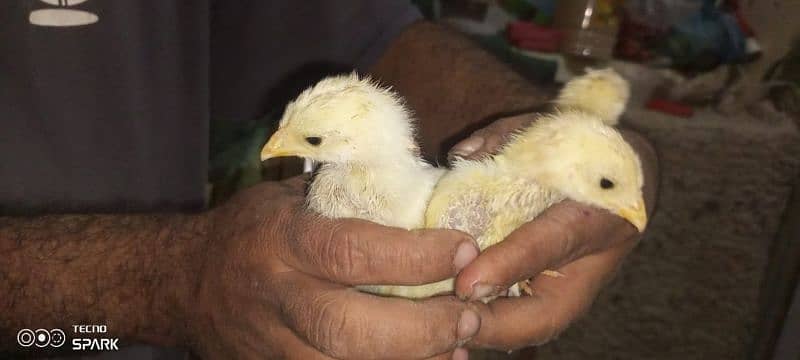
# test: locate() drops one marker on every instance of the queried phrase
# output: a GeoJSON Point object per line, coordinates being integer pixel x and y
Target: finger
{"type": "Point", "coordinates": [457, 354]}
{"type": "Point", "coordinates": [466, 147]}
{"type": "Point", "coordinates": [492, 144]}
{"type": "Point", "coordinates": [509, 125]}
{"type": "Point", "coordinates": [564, 232]}
{"type": "Point", "coordinates": [490, 138]}
{"type": "Point", "coordinates": [513, 323]}
{"type": "Point", "coordinates": [352, 251]}
{"type": "Point", "coordinates": [295, 348]}
{"type": "Point", "coordinates": [344, 323]}
{"type": "Point", "coordinates": [649, 160]}
{"type": "Point", "coordinates": [297, 183]}
{"type": "Point", "coordinates": [281, 343]}
{"type": "Point", "coordinates": [460, 354]}
{"type": "Point", "coordinates": [252, 331]}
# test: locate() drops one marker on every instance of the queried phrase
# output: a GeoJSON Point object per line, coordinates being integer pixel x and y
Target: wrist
{"type": "Point", "coordinates": [181, 249]}
{"type": "Point", "coordinates": [133, 273]}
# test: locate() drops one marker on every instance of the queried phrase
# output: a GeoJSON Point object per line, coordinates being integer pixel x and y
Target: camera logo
{"type": "Point", "coordinates": [57, 338]}
{"type": "Point", "coordinates": [41, 338]}
{"type": "Point", "coordinates": [26, 337]}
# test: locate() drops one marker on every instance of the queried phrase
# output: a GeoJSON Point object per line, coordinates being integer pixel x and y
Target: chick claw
{"type": "Point", "coordinates": [553, 273]}
{"type": "Point", "coordinates": [524, 287]}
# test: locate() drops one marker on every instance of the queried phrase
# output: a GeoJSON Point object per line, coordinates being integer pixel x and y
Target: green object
{"type": "Point", "coordinates": [235, 154]}
{"type": "Point", "coordinates": [426, 7]}
{"type": "Point", "coordinates": [542, 18]}
{"type": "Point", "coordinates": [521, 9]}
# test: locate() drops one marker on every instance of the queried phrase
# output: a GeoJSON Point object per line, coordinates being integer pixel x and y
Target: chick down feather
{"type": "Point", "coordinates": [362, 135]}
{"type": "Point", "coordinates": [603, 93]}
{"type": "Point", "coordinates": [569, 154]}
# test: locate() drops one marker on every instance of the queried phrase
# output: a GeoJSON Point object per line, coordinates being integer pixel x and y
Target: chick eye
{"type": "Point", "coordinates": [314, 140]}
{"type": "Point", "coordinates": [606, 184]}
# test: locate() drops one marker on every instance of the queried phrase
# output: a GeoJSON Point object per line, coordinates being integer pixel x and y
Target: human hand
{"type": "Point", "coordinates": [585, 244]}
{"type": "Point", "coordinates": [276, 284]}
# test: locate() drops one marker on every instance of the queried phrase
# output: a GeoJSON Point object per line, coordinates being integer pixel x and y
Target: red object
{"type": "Point", "coordinates": [635, 37]}
{"type": "Point", "coordinates": [530, 36]}
{"type": "Point", "coordinates": [752, 47]}
{"type": "Point", "coordinates": [670, 107]}
{"type": "Point", "coordinates": [733, 6]}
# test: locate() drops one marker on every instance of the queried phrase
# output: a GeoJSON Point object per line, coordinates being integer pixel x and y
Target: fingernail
{"type": "Point", "coordinates": [466, 252]}
{"type": "Point", "coordinates": [467, 147]}
{"type": "Point", "coordinates": [464, 296]}
{"type": "Point", "coordinates": [482, 290]}
{"type": "Point", "coordinates": [460, 354]}
{"type": "Point", "coordinates": [451, 158]}
{"type": "Point", "coordinates": [468, 325]}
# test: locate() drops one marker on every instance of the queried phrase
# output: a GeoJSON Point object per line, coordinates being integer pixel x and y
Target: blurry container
{"type": "Point", "coordinates": [589, 26]}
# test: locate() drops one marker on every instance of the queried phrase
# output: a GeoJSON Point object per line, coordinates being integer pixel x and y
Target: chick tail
{"type": "Point", "coordinates": [603, 93]}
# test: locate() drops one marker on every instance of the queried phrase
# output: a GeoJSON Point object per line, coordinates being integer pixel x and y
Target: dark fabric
{"type": "Point", "coordinates": [114, 115]}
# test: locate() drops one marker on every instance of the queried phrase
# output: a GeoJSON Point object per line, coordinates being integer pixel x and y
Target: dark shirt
{"type": "Point", "coordinates": [112, 112]}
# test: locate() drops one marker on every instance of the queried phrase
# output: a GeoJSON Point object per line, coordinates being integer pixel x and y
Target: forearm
{"type": "Point", "coordinates": [452, 84]}
{"type": "Point", "coordinates": [130, 272]}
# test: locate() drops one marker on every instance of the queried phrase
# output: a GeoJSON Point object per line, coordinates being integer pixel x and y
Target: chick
{"type": "Point", "coordinates": [600, 92]}
{"type": "Point", "coordinates": [363, 137]}
{"type": "Point", "coordinates": [569, 154]}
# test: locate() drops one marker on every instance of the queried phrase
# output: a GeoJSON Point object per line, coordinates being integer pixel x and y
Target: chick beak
{"type": "Point", "coordinates": [281, 145]}
{"type": "Point", "coordinates": [636, 215]}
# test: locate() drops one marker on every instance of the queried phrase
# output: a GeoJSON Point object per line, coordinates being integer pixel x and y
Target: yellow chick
{"type": "Point", "coordinates": [567, 154]}
{"type": "Point", "coordinates": [363, 137]}
{"type": "Point", "coordinates": [482, 199]}
{"type": "Point", "coordinates": [600, 92]}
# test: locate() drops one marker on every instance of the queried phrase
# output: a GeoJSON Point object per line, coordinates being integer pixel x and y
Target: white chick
{"type": "Point", "coordinates": [363, 137]}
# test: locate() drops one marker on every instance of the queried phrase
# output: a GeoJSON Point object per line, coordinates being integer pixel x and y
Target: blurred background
{"type": "Point", "coordinates": [715, 88]}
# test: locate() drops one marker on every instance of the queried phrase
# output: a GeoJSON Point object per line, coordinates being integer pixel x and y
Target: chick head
{"type": "Point", "coordinates": [603, 93]}
{"type": "Point", "coordinates": [588, 161]}
{"type": "Point", "coordinates": [344, 119]}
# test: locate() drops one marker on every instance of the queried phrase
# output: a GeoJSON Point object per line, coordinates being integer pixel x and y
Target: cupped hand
{"type": "Point", "coordinates": [277, 284]}
{"type": "Point", "coordinates": [585, 244]}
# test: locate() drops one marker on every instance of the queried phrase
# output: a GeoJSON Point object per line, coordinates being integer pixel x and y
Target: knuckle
{"type": "Point", "coordinates": [331, 325]}
{"type": "Point", "coordinates": [565, 226]}
{"type": "Point", "coordinates": [560, 319]}
{"type": "Point", "coordinates": [549, 328]}
{"type": "Point", "coordinates": [301, 233]}
{"type": "Point", "coordinates": [278, 224]}
{"type": "Point", "coordinates": [588, 229]}
{"type": "Point", "coordinates": [553, 329]}
{"type": "Point", "coordinates": [570, 241]}
{"type": "Point", "coordinates": [411, 257]}
{"type": "Point", "coordinates": [482, 132]}
{"type": "Point", "coordinates": [343, 252]}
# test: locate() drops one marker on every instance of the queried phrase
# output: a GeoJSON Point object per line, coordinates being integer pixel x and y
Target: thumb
{"type": "Point", "coordinates": [465, 148]}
